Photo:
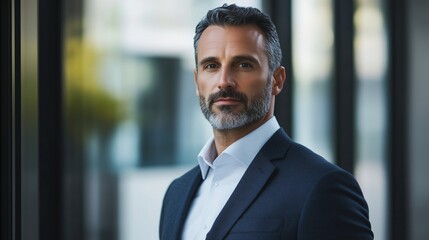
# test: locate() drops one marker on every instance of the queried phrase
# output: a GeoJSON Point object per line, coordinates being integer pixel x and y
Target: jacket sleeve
{"type": "Point", "coordinates": [335, 209]}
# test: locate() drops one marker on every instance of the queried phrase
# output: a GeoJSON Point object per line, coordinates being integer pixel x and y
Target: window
{"type": "Point", "coordinates": [313, 60]}
{"type": "Point", "coordinates": [371, 59]}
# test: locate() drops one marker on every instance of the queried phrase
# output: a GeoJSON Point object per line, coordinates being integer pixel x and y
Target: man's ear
{"type": "Point", "coordinates": [279, 77]}
{"type": "Point", "coordinates": [197, 92]}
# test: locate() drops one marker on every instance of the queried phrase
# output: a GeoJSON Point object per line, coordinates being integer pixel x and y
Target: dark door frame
{"type": "Point", "coordinates": [10, 119]}
{"type": "Point", "coordinates": [50, 79]}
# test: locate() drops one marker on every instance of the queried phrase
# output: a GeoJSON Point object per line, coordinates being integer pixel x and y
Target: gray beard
{"type": "Point", "coordinates": [228, 119]}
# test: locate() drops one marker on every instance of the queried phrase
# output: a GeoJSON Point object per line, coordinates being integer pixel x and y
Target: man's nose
{"type": "Point", "coordinates": [226, 79]}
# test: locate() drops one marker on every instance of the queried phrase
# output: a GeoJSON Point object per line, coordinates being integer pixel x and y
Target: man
{"type": "Point", "coordinates": [253, 181]}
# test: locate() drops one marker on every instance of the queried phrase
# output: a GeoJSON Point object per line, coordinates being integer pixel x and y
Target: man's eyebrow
{"type": "Point", "coordinates": [249, 58]}
{"type": "Point", "coordinates": [207, 60]}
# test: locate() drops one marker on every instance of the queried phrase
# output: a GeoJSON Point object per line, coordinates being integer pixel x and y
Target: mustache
{"type": "Point", "coordinates": [227, 93]}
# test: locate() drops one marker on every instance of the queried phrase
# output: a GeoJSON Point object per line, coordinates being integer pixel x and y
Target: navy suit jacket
{"type": "Point", "coordinates": [288, 192]}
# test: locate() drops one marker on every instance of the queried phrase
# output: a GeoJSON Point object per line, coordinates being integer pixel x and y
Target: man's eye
{"type": "Point", "coordinates": [210, 66]}
{"type": "Point", "coordinates": [244, 65]}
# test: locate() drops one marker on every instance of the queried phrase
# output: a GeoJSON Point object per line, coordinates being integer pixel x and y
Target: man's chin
{"type": "Point", "coordinates": [226, 127]}
{"type": "Point", "coordinates": [228, 109]}
{"type": "Point", "coordinates": [228, 122]}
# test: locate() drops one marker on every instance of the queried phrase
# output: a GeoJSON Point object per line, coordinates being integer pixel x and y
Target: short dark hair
{"type": "Point", "coordinates": [233, 15]}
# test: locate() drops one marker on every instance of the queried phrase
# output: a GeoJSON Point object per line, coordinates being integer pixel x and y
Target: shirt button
{"type": "Point", "coordinates": [216, 184]}
{"type": "Point", "coordinates": [205, 227]}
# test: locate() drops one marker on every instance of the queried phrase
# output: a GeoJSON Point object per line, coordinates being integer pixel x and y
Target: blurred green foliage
{"type": "Point", "coordinates": [88, 105]}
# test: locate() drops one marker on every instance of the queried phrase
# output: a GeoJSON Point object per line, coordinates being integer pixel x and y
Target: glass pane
{"type": "Point", "coordinates": [312, 51]}
{"type": "Point", "coordinates": [371, 56]}
{"type": "Point", "coordinates": [29, 122]}
{"type": "Point", "coordinates": [132, 117]}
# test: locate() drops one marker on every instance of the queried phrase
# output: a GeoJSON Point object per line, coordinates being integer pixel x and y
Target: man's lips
{"type": "Point", "coordinates": [227, 101]}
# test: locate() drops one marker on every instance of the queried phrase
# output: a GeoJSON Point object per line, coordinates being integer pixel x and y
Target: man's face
{"type": "Point", "coordinates": [232, 77]}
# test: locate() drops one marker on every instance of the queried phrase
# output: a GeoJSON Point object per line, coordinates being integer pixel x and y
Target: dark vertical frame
{"type": "Point", "coordinates": [10, 119]}
{"type": "Point", "coordinates": [344, 85]}
{"type": "Point", "coordinates": [50, 119]}
{"type": "Point", "coordinates": [6, 119]}
{"type": "Point", "coordinates": [17, 121]}
{"type": "Point", "coordinates": [398, 116]}
{"type": "Point", "coordinates": [281, 14]}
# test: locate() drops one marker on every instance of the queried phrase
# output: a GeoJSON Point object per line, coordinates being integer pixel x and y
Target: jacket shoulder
{"type": "Point", "coordinates": [328, 199]}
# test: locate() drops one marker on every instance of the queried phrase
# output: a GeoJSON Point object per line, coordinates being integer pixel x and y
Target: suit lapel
{"type": "Point", "coordinates": [185, 194]}
{"type": "Point", "coordinates": [252, 182]}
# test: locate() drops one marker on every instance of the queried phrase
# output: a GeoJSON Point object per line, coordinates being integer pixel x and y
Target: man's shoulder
{"type": "Point", "coordinates": [295, 153]}
{"type": "Point", "coordinates": [305, 156]}
{"type": "Point", "coordinates": [300, 161]}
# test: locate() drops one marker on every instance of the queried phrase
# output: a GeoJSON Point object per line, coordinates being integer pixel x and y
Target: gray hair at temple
{"type": "Point", "coordinates": [233, 15]}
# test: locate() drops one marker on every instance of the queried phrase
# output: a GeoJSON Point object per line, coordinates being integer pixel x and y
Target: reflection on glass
{"type": "Point", "coordinates": [29, 227]}
{"type": "Point", "coordinates": [132, 118]}
{"type": "Point", "coordinates": [371, 62]}
{"type": "Point", "coordinates": [313, 61]}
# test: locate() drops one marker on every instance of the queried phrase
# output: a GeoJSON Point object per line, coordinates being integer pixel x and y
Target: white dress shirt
{"type": "Point", "coordinates": [221, 175]}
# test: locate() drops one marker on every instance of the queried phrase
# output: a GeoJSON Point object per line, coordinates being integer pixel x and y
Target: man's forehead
{"type": "Point", "coordinates": [245, 37]}
{"type": "Point", "coordinates": [248, 30]}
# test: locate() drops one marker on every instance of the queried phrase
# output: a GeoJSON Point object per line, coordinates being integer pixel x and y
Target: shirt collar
{"type": "Point", "coordinates": [240, 149]}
